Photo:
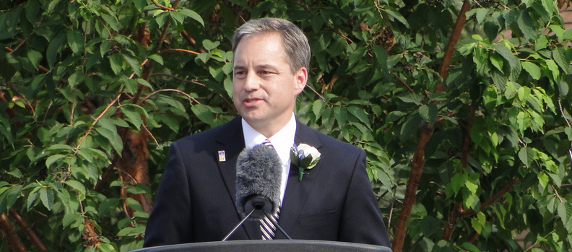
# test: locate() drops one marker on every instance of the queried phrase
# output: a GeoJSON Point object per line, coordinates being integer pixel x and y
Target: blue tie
{"type": "Point", "coordinates": [267, 225]}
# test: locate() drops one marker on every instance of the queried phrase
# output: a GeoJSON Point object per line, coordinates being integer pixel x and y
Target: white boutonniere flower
{"type": "Point", "coordinates": [305, 157]}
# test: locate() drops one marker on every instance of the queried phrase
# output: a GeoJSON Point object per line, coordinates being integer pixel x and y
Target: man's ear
{"type": "Point", "coordinates": [301, 77]}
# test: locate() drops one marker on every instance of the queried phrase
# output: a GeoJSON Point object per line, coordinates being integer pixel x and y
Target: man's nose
{"type": "Point", "coordinates": [251, 82]}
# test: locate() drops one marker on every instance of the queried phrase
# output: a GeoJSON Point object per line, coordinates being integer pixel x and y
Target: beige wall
{"type": "Point", "coordinates": [567, 15]}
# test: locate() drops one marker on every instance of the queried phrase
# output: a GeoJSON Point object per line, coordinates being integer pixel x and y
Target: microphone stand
{"type": "Point", "coordinates": [240, 223]}
{"type": "Point", "coordinates": [278, 226]}
{"type": "Point", "coordinates": [248, 215]}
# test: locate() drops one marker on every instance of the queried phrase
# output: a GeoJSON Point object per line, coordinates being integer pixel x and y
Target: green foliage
{"type": "Point", "coordinates": [76, 74]}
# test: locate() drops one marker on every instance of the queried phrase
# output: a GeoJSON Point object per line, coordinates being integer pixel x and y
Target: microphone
{"type": "Point", "coordinates": [258, 176]}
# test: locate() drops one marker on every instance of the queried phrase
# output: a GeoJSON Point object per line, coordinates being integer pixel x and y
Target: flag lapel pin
{"type": "Point", "coordinates": [221, 156]}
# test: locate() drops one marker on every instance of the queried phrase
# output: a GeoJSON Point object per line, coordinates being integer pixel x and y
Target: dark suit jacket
{"type": "Point", "coordinates": [196, 198]}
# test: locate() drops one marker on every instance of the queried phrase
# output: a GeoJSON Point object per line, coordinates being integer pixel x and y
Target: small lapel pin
{"type": "Point", "coordinates": [221, 156]}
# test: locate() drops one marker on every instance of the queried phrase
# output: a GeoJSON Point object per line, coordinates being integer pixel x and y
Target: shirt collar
{"type": "Point", "coordinates": [282, 141]}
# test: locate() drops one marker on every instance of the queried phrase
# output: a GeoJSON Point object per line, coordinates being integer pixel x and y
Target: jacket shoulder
{"type": "Point", "coordinates": [231, 128]}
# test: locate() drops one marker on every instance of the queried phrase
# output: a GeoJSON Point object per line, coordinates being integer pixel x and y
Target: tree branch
{"type": "Point", "coordinates": [169, 90]}
{"type": "Point", "coordinates": [10, 235]}
{"type": "Point", "coordinates": [178, 50]}
{"type": "Point", "coordinates": [426, 133]}
{"type": "Point", "coordinates": [450, 49]}
{"type": "Point", "coordinates": [411, 188]}
{"type": "Point", "coordinates": [492, 199]}
{"type": "Point", "coordinates": [96, 120]}
{"type": "Point", "coordinates": [29, 232]}
{"type": "Point", "coordinates": [163, 7]}
{"type": "Point", "coordinates": [455, 213]}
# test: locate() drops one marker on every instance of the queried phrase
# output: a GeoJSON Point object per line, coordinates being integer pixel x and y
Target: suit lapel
{"type": "Point", "coordinates": [298, 191]}
{"type": "Point", "coordinates": [231, 141]}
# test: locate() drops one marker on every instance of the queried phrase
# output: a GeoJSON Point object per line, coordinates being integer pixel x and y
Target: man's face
{"type": "Point", "coordinates": [264, 88]}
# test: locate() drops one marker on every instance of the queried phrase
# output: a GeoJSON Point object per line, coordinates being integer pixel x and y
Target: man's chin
{"type": "Point", "coordinates": [252, 116]}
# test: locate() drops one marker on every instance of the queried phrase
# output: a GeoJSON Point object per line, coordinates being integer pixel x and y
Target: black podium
{"type": "Point", "coordinates": [274, 246]}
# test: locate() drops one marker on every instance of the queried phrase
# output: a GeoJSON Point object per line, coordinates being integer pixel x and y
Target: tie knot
{"type": "Point", "coordinates": [267, 143]}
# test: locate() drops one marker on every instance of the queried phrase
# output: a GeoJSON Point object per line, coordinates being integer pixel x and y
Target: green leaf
{"type": "Point", "coordinates": [341, 116]}
{"type": "Point", "coordinates": [54, 48]}
{"type": "Point", "coordinates": [397, 16]}
{"type": "Point", "coordinates": [526, 25]}
{"type": "Point", "coordinates": [479, 222]}
{"type": "Point", "coordinates": [204, 113]}
{"type": "Point", "coordinates": [532, 69]}
{"type": "Point", "coordinates": [35, 57]}
{"type": "Point", "coordinates": [216, 73]}
{"type": "Point", "coordinates": [563, 88]}
{"type": "Point", "coordinates": [561, 210]}
{"type": "Point", "coordinates": [132, 115]}
{"type": "Point", "coordinates": [139, 189]}
{"type": "Point", "coordinates": [507, 54]}
{"type": "Point", "coordinates": [177, 17]}
{"type": "Point", "coordinates": [497, 62]}
{"type": "Point", "coordinates": [75, 40]}
{"type": "Point", "coordinates": [75, 79]}
{"type": "Point", "coordinates": [76, 185]}
{"type": "Point", "coordinates": [60, 147]}
{"type": "Point", "coordinates": [9, 196]}
{"type": "Point", "coordinates": [553, 68]}
{"type": "Point", "coordinates": [469, 246]}
{"type": "Point", "coordinates": [144, 83]}
{"type": "Point", "coordinates": [381, 56]}
{"type": "Point", "coordinates": [558, 30]}
{"type": "Point", "coordinates": [559, 55]}
{"type": "Point", "coordinates": [360, 114]}
{"type": "Point", "coordinates": [541, 43]}
{"type": "Point", "coordinates": [113, 138]}
{"type": "Point", "coordinates": [543, 179]}
{"type": "Point", "coordinates": [32, 197]}
{"type": "Point", "coordinates": [526, 155]}
{"type": "Point", "coordinates": [160, 17]}
{"type": "Point", "coordinates": [116, 63]}
{"type": "Point", "coordinates": [54, 158]}
{"type": "Point", "coordinates": [192, 14]}
{"type": "Point", "coordinates": [47, 197]}
{"type": "Point", "coordinates": [500, 81]}
{"type": "Point", "coordinates": [471, 186]}
{"type": "Point", "coordinates": [130, 231]}
{"type": "Point", "coordinates": [480, 58]}
{"type": "Point", "coordinates": [106, 247]}
{"type": "Point", "coordinates": [209, 45]}
{"type": "Point", "coordinates": [428, 113]}
{"type": "Point", "coordinates": [411, 98]}
{"type": "Point", "coordinates": [157, 58]}
{"type": "Point", "coordinates": [410, 128]}
{"type": "Point", "coordinates": [111, 22]}
{"type": "Point", "coordinates": [457, 182]}
{"type": "Point", "coordinates": [355, 55]}
{"type": "Point", "coordinates": [317, 107]}
{"type": "Point", "coordinates": [481, 14]}
{"type": "Point", "coordinates": [133, 63]}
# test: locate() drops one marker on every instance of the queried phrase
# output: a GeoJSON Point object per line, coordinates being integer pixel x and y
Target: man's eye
{"type": "Point", "coordinates": [239, 73]}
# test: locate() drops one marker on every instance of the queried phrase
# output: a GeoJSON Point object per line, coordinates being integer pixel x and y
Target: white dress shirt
{"type": "Point", "coordinates": [282, 141]}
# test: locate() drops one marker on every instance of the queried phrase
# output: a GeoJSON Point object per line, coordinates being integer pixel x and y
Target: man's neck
{"type": "Point", "coordinates": [269, 129]}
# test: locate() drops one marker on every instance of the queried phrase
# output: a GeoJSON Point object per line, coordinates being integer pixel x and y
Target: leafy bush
{"type": "Point", "coordinates": [466, 126]}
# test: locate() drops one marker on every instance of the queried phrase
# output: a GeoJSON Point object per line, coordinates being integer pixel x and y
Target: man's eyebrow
{"type": "Point", "coordinates": [257, 66]}
{"type": "Point", "coordinates": [267, 66]}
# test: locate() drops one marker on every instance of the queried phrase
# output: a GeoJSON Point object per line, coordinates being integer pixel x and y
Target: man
{"type": "Point", "coordinates": [196, 198]}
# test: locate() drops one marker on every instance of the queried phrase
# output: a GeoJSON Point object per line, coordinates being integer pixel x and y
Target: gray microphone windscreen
{"type": "Point", "coordinates": [258, 173]}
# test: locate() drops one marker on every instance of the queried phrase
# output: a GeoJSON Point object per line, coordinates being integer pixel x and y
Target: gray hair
{"type": "Point", "coordinates": [294, 41]}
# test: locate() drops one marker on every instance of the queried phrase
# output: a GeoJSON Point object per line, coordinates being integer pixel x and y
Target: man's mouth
{"type": "Point", "coordinates": [252, 101]}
